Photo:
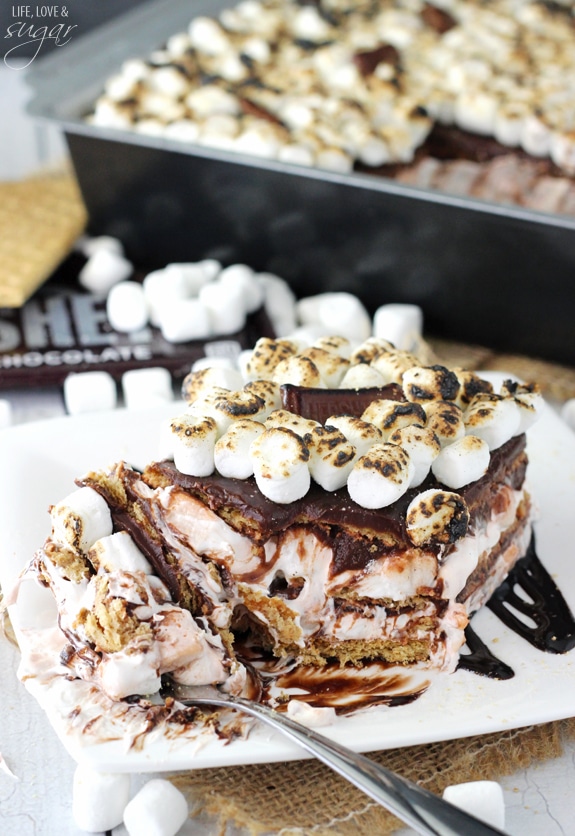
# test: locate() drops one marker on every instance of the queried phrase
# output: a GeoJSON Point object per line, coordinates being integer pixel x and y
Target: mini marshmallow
{"type": "Point", "coordinates": [162, 287]}
{"type": "Point", "coordinates": [331, 458]}
{"type": "Point", "coordinates": [423, 447]}
{"type": "Point", "coordinates": [330, 366]}
{"type": "Point", "coordinates": [147, 387]}
{"type": "Point", "coordinates": [194, 439]}
{"type": "Point", "coordinates": [430, 383]}
{"type": "Point", "coordinates": [99, 799]}
{"type": "Point", "coordinates": [362, 376]}
{"type": "Point", "coordinates": [232, 451]}
{"type": "Point", "coordinates": [493, 418]}
{"type": "Point", "coordinates": [301, 426]}
{"type": "Point", "coordinates": [126, 307]}
{"type": "Point", "coordinates": [198, 383]}
{"type": "Point", "coordinates": [269, 392]}
{"type": "Point", "coordinates": [80, 519]}
{"type": "Point", "coordinates": [280, 461]}
{"type": "Point", "coordinates": [380, 477]}
{"type": "Point", "coordinates": [5, 413]}
{"type": "Point", "coordinates": [335, 345]}
{"type": "Point", "coordinates": [158, 809]}
{"type": "Point", "coordinates": [401, 324]}
{"type": "Point", "coordinates": [462, 462]}
{"type": "Point", "coordinates": [118, 551]}
{"type": "Point", "coordinates": [528, 399]}
{"type": "Point", "coordinates": [226, 307]}
{"type": "Point", "coordinates": [211, 267]}
{"type": "Point", "coordinates": [392, 365]}
{"type": "Point", "coordinates": [280, 303]}
{"type": "Point", "coordinates": [370, 349]}
{"type": "Point", "coordinates": [241, 278]}
{"type": "Point", "coordinates": [191, 275]}
{"type": "Point", "coordinates": [470, 385]}
{"type": "Point", "coordinates": [299, 371]}
{"type": "Point", "coordinates": [445, 419]}
{"type": "Point", "coordinates": [362, 434]}
{"type": "Point", "coordinates": [89, 392]}
{"type": "Point", "coordinates": [436, 516]}
{"type": "Point", "coordinates": [311, 716]}
{"type": "Point", "coordinates": [183, 320]}
{"type": "Point", "coordinates": [105, 268]}
{"type": "Point", "coordinates": [345, 314]}
{"type": "Point", "coordinates": [482, 799]}
{"type": "Point", "coordinates": [265, 357]}
{"type": "Point", "coordinates": [388, 415]}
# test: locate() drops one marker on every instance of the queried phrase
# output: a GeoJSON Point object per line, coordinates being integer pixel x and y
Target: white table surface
{"type": "Point", "coordinates": [36, 799]}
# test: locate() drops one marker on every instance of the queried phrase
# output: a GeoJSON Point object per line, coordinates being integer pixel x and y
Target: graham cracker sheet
{"type": "Point", "coordinates": [40, 219]}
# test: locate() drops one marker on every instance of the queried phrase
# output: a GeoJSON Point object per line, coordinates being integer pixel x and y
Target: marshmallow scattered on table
{"type": "Point", "coordinates": [89, 392]}
{"type": "Point", "coordinates": [99, 799]}
{"type": "Point", "coordinates": [482, 799]}
{"type": "Point", "coordinates": [158, 809]}
{"type": "Point", "coordinates": [126, 307]}
{"type": "Point", "coordinates": [147, 387]}
{"type": "Point", "coordinates": [104, 269]}
{"type": "Point", "coordinates": [401, 324]}
{"type": "Point", "coordinates": [89, 245]}
{"type": "Point", "coordinates": [182, 320]}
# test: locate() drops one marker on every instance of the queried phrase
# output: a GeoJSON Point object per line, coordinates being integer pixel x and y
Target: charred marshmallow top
{"type": "Point", "coordinates": [447, 422]}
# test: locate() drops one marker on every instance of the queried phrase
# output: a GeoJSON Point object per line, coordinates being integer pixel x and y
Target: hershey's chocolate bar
{"type": "Point", "coordinates": [63, 329]}
{"type": "Point", "coordinates": [321, 404]}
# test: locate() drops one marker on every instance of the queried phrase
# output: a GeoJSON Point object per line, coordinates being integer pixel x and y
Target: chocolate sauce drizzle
{"type": "Point", "coordinates": [552, 627]}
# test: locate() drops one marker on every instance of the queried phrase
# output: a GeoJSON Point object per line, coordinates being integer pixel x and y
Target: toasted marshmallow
{"type": "Point", "coordinates": [198, 383]}
{"type": "Point", "coordinates": [436, 516]}
{"type": "Point", "coordinates": [232, 451]}
{"type": "Point", "coordinates": [269, 392]}
{"type": "Point", "coordinates": [300, 371]}
{"type": "Point", "coordinates": [266, 355]}
{"type": "Point", "coordinates": [280, 461]}
{"type": "Point", "coordinates": [335, 345]}
{"type": "Point", "coordinates": [528, 399]}
{"type": "Point", "coordinates": [392, 365]}
{"type": "Point", "coordinates": [207, 36]}
{"type": "Point", "coordinates": [380, 477]}
{"type": "Point", "coordinates": [462, 462]}
{"type": "Point", "coordinates": [430, 383]}
{"type": "Point", "coordinates": [331, 457]}
{"type": "Point", "coordinates": [445, 419]}
{"type": "Point", "coordinates": [390, 415]}
{"type": "Point", "coordinates": [370, 349]}
{"type": "Point", "coordinates": [331, 366]}
{"type": "Point", "coordinates": [423, 447]}
{"type": "Point", "coordinates": [362, 434]}
{"type": "Point", "coordinates": [400, 324]}
{"type": "Point", "coordinates": [225, 407]}
{"type": "Point", "coordinates": [289, 420]}
{"type": "Point", "coordinates": [194, 439]}
{"type": "Point", "coordinates": [80, 519]}
{"type": "Point", "coordinates": [362, 376]}
{"type": "Point", "coordinates": [470, 385]}
{"type": "Point", "coordinates": [493, 418]}
{"type": "Point", "coordinates": [118, 552]}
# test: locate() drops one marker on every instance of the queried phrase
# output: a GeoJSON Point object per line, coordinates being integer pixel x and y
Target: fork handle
{"type": "Point", "coordinates": [425, 812]}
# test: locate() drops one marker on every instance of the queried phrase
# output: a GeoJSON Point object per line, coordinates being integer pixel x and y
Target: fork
{"type": "Point", "coordinates": [425, 812]}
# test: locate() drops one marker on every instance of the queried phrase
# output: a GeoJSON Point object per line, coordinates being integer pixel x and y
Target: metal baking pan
{"type": "Point", "coordinates": [496, 275]}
